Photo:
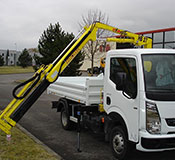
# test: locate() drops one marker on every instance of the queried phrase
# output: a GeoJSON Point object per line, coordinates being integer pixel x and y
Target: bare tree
{"type": "Point", "coordinates": [92, 47]}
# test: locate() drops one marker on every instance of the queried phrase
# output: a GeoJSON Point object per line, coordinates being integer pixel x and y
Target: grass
{"type": "Point", "coordinates": [21, 147]}
{"type": "Point", "coordinates": [15, 69]}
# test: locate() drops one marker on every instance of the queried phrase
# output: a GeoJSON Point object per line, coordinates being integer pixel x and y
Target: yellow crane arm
{"type": "Point", "coordinates": [46, 75]}
{"type": "Point", "coordinates": [126, 36]}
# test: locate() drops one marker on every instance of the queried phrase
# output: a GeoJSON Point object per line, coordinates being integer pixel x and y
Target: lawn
{"type": "Point", "coordinates": [22, 147]}
{"type": "Point", "coordinates": [15, 69]}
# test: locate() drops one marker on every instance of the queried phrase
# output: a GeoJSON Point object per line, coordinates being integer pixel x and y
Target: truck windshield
{"type": "Point", "coordinates": [159, 76]}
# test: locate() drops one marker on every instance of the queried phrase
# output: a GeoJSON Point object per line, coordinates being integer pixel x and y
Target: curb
{"type": "Point", "coordinates": [49, 150]}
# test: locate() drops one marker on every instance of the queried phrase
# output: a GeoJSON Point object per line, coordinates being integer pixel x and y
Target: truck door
{"type": "Point", "coordinates": [121, 92]}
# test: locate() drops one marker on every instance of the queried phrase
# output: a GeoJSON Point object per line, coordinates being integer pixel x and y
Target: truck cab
{"type": "Point", "coordinates": [139, 89]}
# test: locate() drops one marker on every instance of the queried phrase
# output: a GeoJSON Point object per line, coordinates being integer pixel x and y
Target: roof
{"type": "Point", "coordinates": [157, 31]}
{"type": "Point", "coordinates": [152, 31]}
{"type": "Point", "coordinates": [138, 52]}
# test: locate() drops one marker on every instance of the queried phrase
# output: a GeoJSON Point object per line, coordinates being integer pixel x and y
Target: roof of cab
{"type": "Point", "coordinates": [138, 52]}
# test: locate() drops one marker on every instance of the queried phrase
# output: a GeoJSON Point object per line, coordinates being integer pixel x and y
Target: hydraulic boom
{"type": "Point", "coordinates": [34, 87]}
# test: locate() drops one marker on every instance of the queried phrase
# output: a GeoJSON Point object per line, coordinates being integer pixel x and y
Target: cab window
{"type": "Point", "coordinates": [123, 74]}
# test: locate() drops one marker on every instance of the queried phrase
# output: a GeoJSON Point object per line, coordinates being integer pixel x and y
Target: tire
{"type": "Point", "coordinates": [119, 143]}
{"type": "Point", "coordinates": [65, 121]}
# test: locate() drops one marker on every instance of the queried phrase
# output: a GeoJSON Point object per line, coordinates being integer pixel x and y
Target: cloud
{"type": "Point", "coordinates": [23, 21]}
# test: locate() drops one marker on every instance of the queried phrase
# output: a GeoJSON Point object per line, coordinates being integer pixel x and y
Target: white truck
{"type": "Point", "coordinates": [138, 89]}
{"type": "Point", "coordinates": [132, 103]}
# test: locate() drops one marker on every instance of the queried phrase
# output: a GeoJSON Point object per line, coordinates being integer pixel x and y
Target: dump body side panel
{"type": "Point", "coordinates": [85, 90]}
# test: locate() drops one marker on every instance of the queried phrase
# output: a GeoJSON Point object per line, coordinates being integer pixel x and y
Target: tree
{"type": "Point", "coordinates": [1, 61]}
{"type": "Point", "coordinates": [51, 43]}
{"type": "Point", "coordinates": [92, 47]}
{"type": "Point", "coordinates": [7, 57]}
{"type": "Point", "coordinates": [25, 59]}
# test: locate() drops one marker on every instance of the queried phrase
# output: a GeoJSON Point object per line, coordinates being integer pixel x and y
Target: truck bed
{"type": "Point", "coordinates": [85, 90]}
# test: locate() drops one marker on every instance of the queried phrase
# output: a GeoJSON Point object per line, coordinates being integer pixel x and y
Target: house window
{"type": "Point", "coordinates": [107, 47]}
{"type": "Point", "coordinates": [104, 48]}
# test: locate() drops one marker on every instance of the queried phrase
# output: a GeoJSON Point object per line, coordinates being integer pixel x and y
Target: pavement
{"type": "Point", "coordinates": [43, 123]}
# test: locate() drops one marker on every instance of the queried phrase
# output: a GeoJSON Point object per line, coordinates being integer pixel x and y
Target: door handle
{"type": "Point", "coordinates": [108, 100]}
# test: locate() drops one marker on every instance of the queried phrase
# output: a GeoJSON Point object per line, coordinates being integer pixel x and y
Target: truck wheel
{"type": "Point", "coordinates": [65, 121]}
{"type": "Point", "coordinates": [119, 143]}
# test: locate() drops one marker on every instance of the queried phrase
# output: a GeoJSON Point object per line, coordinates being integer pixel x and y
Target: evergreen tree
{"type": "Point", "coordinates": [7, 57]}
{"type": "Point", "coordinates": [51, 43]}
{"type": "Point", "coordinates": [1, 61]}
{"type": "Point", "coordinates": [25, 59]}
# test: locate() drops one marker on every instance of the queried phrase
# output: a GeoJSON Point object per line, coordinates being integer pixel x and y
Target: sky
{"type": "Point", "coordinates": [22, 22]}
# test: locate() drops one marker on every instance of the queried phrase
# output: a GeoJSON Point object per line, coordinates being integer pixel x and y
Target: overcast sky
{"type": "Point", "coordinates": [23, 21]}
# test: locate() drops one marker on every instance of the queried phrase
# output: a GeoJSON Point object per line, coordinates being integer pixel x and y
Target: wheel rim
{"type": "Point", "coordinates": [118, 143]}
{"type": "Point", "coordinates": [64, 118]}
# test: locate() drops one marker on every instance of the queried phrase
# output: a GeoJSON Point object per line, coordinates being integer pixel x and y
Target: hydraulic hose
{"type": "Point", "coordinates": [38, 75]}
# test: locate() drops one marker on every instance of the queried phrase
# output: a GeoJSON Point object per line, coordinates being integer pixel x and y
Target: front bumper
{"type": "Point", "coordinates": [152, 143]}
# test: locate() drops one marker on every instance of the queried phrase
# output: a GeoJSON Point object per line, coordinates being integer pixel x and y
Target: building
{"type": "Point", "coordinates": [32, 53]}
{"type": "Point", "coordinates": [101, 53]}
{"type": "Point", "coordinates": [161, 38]}
{"type": "Point", "coordinates": [10, 56]}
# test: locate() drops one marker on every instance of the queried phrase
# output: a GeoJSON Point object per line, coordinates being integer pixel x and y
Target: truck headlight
{"type": "Point", "coordinates": [153, 122]}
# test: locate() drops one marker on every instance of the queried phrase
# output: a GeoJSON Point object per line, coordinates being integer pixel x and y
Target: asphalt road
{"type": "Point", "coordinates": [44, 123]}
